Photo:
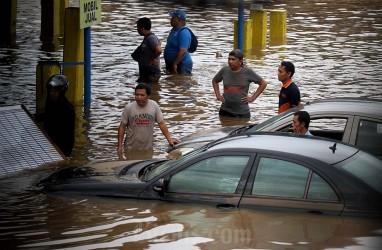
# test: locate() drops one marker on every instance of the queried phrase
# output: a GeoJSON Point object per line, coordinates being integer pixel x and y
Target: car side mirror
{"type": "Point", "coordinates": [159, 186]}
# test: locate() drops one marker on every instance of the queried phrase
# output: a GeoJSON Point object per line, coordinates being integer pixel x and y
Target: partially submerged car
{"type": "Point", "coordinates": [357, 121]}
{"type": "Point", "coordinates": [270, 171]}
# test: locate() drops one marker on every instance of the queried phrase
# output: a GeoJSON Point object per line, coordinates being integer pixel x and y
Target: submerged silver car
{"type": "Point", "coordinates": [357, 121]}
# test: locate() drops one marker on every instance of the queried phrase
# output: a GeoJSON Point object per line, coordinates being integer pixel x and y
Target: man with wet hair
{"type": "Point", "coordinates": [137, 122]}
{"type": "Point", "coordinates": [289, 95]}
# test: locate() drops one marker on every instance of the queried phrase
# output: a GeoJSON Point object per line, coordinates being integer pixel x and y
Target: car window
{"type": "Point", "coordinates": [171, 164]}
{"type": "Point", "coordinates": [365, 167]}
{"type": "Point", "coordinates": [319, 189]}
{"type": "Point", "coordinates": [269, 122]}
{"type": "Point", "coordinates": [369, 137]}
{"type": "Point", "coordinates": [328, 127]}
{"type": "Point", "coordinates": [280, 178]}
{"type": "Point", "coordinates": [333, 128]}
{"type": "Point", "coordinates": [219, 174]}
{"type": "Point", "coordinates": [336, 124]}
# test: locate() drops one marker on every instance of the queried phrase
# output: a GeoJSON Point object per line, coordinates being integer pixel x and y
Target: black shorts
{"type": "Point", "coordinates": [229, 114]}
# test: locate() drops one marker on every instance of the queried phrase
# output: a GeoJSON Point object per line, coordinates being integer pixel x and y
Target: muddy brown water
{"type": "Point", "coordinates": [336, 48]}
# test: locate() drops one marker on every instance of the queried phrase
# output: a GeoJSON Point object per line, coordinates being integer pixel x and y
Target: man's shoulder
{"type": "Point", "coordinates": [225, 69]}
{"type": "Point", "coordinates": [293, 86]}
{"type": "Point", "coordinates": [152, 37]}
{"type": "Point", "coordinates": [247, 70]}
{"type": "Point", "coordinates": [294, 83]}
{"type": "Point", "coordinates": [182, 32]}
{"type": "Point", "coordinates": [152, 103]}
{"type": "Point", "coordinates": [66, 106]}
{"type": "Point", "coordinates": [68, 103]}
{"type": "Point", "coordinates": [131, 104]}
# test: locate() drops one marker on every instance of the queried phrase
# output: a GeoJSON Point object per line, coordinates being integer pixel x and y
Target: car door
{"type": "Point", "coordinates": [219, 179]}
{"type": "Point", "coordinates": [366, 134]}
{"type": "Point", "coordinates": [284, 184]}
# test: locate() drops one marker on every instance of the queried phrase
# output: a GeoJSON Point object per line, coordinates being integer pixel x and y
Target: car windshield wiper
{"type": "Point", "coordinates": [150, 167]}
{"type": "Point", "coordinates": [241, 129]}
{"type": "Point", "coordinates": [246, 128]}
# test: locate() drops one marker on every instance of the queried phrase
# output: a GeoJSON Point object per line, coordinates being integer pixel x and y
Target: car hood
{"type": "Point", "coordinates": [201, 138]}
{"type": "Point", "coordinates": [109, 178]}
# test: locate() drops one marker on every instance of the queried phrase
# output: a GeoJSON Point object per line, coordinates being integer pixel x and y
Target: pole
{"type": "Point", "coordinates": [87, 66]}
{"type": "Point", "coordinates": [240, 26]}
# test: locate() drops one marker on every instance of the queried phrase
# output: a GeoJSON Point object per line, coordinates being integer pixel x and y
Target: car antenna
{"type": "Point", "coordinates": [334, 147]}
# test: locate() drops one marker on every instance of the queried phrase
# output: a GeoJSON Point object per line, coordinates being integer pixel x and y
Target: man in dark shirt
{"type": "Point", "coordinates": [289, 96]}
{"type": "Point", "coordinates": [59, 116]}
{"type": "Point", "coordinates": [148, 62]}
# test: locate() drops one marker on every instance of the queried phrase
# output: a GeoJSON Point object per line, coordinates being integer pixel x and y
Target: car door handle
{"type": "Point", "coordinates": [225, 206]}
{"type": "Point", "coordinates": [316, 212]}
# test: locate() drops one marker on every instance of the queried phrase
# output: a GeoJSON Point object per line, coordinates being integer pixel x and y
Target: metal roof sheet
{"type": "Point", "coordinates": [22, 144]}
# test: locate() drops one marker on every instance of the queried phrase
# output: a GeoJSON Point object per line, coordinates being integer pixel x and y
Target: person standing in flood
{"type": "Point", "coordinates": [236, 80]}
{"type": "Point", "coordinates": [178, 59]}
{"type": "Point", "coordinates": [289, 96]}
{"type": "Point", "coordinates": [59, 116]}
{"type": "Point", "coordinates": [148, 61]}
{"type": "Point", "coordinates": [137, 123]}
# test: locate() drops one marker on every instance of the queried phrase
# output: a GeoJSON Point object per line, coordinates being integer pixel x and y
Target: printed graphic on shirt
{"type": "Point", "coordinates": [142, 119]}
{"type": "Point", "coordinates": [234, 89]}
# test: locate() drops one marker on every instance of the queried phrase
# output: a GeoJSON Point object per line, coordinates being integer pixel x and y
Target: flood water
{"type": "Point", "coordinates": [336, 48]}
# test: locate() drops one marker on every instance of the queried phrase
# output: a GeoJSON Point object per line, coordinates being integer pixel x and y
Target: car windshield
{"type": "Point", "coordinates": [365, 167]}
{"type": "Point", "coordinates": [271, 121]}
{"type": "Point", "coordinates": [172, 163]}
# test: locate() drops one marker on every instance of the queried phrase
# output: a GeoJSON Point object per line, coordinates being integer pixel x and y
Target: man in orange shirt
{"type": "Point", "coordinates": [289, 96]}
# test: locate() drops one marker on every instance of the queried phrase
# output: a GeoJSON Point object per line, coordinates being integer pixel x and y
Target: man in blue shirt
{"type": "Point", "coordinates": [178, 59]}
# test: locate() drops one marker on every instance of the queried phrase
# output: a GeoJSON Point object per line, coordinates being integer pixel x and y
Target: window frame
{"type": "Point", "coordinates": [272, 203]}
{"type": "Point", "coordinates": [205, 171]}
{"type": "Point", "coordinates": [232, 199]}
{"type": "Point", "coordinates": [287, 127]}
{"type": "Point", "coordinates": [312, 169]}
{"type": "Point", "coordinates": [355, 129]}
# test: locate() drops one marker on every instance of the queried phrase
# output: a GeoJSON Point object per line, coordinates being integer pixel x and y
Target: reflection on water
{"type": "Point", "coordinates": [99, 223]}
{"type": "Point", "coordinates": [335, 46]}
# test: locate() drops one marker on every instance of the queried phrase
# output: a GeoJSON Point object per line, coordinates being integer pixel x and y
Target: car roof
{"type": "Point", "coordinates": [319, 148]}
{"type": "Point", "coordinates": [356, 106]}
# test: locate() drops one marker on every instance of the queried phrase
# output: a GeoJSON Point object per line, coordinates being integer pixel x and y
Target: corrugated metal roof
{"type": "Point", "coordinates": [22, 144]}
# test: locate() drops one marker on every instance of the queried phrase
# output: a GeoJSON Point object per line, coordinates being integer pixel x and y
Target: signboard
{"type": "Point", "coordinates": [90, 13]}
